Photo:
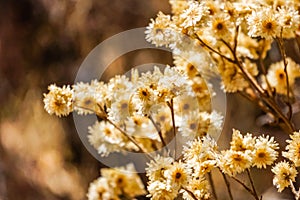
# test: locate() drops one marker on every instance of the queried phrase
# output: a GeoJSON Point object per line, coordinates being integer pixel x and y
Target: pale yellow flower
{"type": "Point", "coordinates": [284, 173]}
{"type": "Point", "coordinates": [59, 100]}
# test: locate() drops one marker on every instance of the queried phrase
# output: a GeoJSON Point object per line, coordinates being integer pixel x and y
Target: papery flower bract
{"type": "Point", "coordinates": [59, 100]}
{"type": "Point", "coordinates": [284, 173]}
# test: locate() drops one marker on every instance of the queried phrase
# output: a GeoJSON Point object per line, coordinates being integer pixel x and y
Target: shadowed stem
{"type": "Point", "coordinates": [103, 116]}
{"type": "Point", "coordinates": [211, 181]}
{"type": "Point", "coordinates": [227, 185]}
{"type": "Point", "coordinates": [158, 131]}
{"type": "Point", "coordinates": [170, 105]}
{"type": "Point", "coordinates": [243, 184]}
{"type": "Point", "coordinates": [190, 193]}
{"type": "Point", "coordinates": [283, 54]}
{"type": "Point", "coordinates": [296, 194]}
{"type": "Point", "coordinates": [252, 185]}
{"type": "Point", "coordinates": [265, 97]}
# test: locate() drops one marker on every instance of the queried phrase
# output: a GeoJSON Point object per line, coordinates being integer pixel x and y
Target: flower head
{"type": "Point", "coordinates": [284, 174]}
{"type": "Point", "coordinates": [59, 100]}
{"type": "Point", "coordinates": [293, 149]}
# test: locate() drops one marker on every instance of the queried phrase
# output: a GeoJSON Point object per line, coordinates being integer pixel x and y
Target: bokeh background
{"type": "Point", "coordinates": [44, 42]}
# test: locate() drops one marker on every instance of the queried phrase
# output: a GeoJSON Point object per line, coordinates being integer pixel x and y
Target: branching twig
{"type": "Point", "coordinates": [252, 184]}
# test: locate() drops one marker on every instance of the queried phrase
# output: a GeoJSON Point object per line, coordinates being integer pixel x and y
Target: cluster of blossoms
{"type": "Point", "coordinates": [286, 172]}
{"type": "Point", "coordinates": [147, 111]}
{"type": "Point", "coordinates": [168, 178]}
{"type": "Point", "coordinates": [115, 183]}
{"type": "Point", "coordinates": [237, 34]}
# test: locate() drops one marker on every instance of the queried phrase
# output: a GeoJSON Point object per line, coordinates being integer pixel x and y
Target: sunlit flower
{"type": "Point", "coordinates": [284, 173]}
{"type": "Point", "coordinates": [59, 100]}
{"type": "Point", "coordinates": [265, 151]}
{"type": "Point", "coordinates": [277, 77]}
{"type": "Point", "coordinates": [177, 175]}
{"type": "Point", "coordinates": [234, 162]}
{"type": "Point", "coordinates": [263, 23]}
{"type": "Point", "coordinates": [293, 149]}
{"type": "Point", "coordinates": [199, 187]}
{"type": "Point", "coordinates": [157, 167]}
{"type": "Point", "coordinates": [241, 142]}
{"type": "Point", "coordinates": [193, 14]}
{"type": "Point", "coordinates": [161, 31]}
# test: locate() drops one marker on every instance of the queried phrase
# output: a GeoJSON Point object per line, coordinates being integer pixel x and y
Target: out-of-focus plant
{"type": "Point", "coordinates": [145, 112]}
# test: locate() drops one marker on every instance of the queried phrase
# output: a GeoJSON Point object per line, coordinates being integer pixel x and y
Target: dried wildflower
{"type": "Point", "coordinates": [200, 150]}
{"type": "Point", "coordinates": [289, 20]}
{"type": "Point", "coordinates": [221, 27]}
{"type": "Point", "coordinates": [242, 143]}
{"type": "Point", "coordinates": [284, 173]}
{"type": "Point", "coordinates": [59, 100]}
{"type": "Point", "coordinates": [263, 23]}
{"type": "Point", "coordinates": [159, 190]}
{"type": "Point", "coordinates": [105, 138]}
{"type": "Point", "coordinates": [177, 175]}
{"type": "Point", "coordinates": [293, 149]}
{"type": "Point", "coordinates": [161, 31]}
{"type": "Point", "coordinates": [232, 78]}
{"type": "Point", "coordinates": [89, 96]}
{"type": "Point", "coordinates": [156, 168]}
{"type": "Point", "coordinates": [277, 78]}
{"type": "Point", "coordinates": [178, 6]}
{"type": "Point", "coordinates": [100, 189]}
{"type": "Point", "coordinates": [233, 162]}
{"type": "Point", "coordinates": [116, 182]}
{"type": "Point", "coordinates": [199, 187]}
{"type": "Point", "coordinates": [193, 14]}
{"type": "Point", "coordinates": [265, 151]}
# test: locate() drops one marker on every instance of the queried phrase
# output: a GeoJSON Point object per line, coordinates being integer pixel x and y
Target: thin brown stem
{"type": "Point", "coordinates": [213, 50]}
{"type": "Point", "coordinates": [283, 54]}
{"type": "Point", "coordinates": [131, 139]}
{"type": "Point", "coordinates": [171, 106]}
{"type": "Point", "coordinates": [236, 38]}
{"type": "Point", "coordinates": [158, 131]}
{"type": "Point", "coordinates": [227, 186]}
{"type": "Point", "coordinates": [263, 69]}
{"type": "Point", "coordinates": [190, 193]}
{"type": "Point", "coordinates": [244, 185]}
{"type": "Point", "coordinates": [265, 97]}
{"type": "Point", "coordinates": [294, 191]}
{"type": "Point", "coordinates": [252, 184]}
{"type": "Point", "coordinates": [213, 189]}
